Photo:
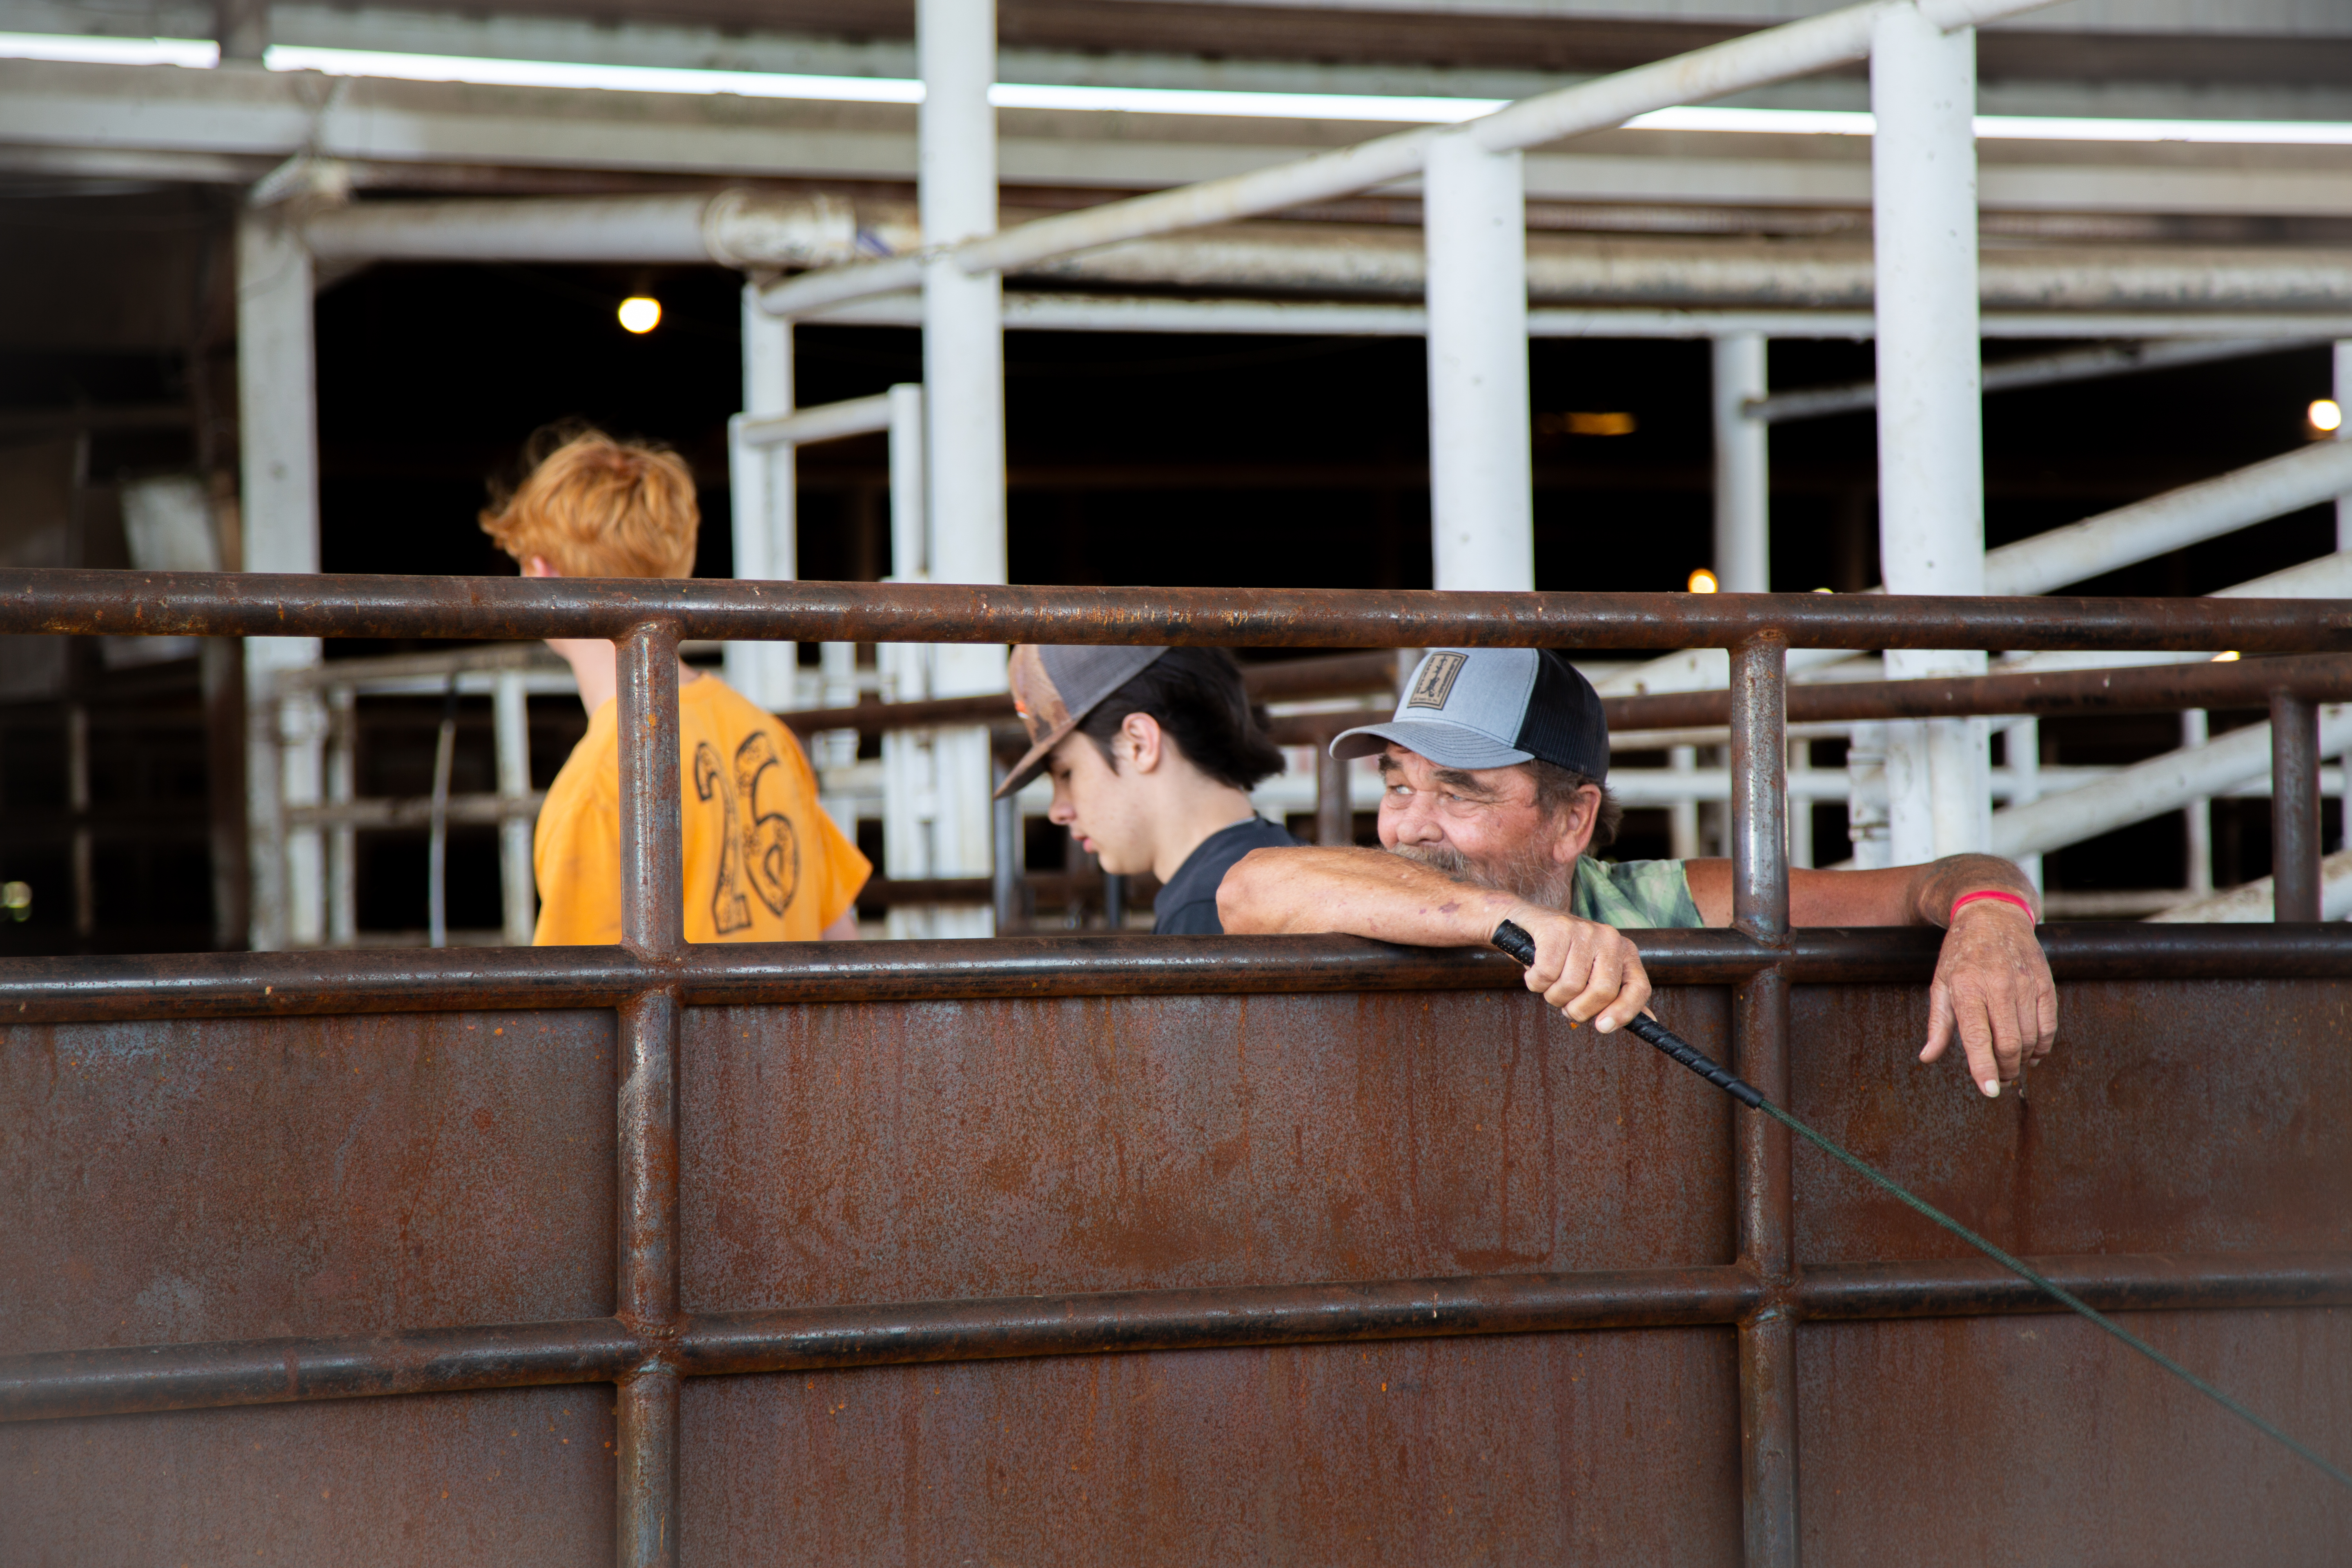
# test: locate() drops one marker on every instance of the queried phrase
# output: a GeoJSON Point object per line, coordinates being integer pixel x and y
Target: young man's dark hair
{"type": "Point", "coordinates": [1152, 753]}
{"type": "Point", "coordinates": [1196, 695]}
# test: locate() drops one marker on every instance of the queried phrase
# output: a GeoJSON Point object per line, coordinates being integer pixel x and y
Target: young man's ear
{"type": "Point", "coordinates": [1143, 739]}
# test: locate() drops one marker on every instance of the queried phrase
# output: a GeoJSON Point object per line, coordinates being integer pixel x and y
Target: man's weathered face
{"type": "Point", "coordinates": [1483, 823]}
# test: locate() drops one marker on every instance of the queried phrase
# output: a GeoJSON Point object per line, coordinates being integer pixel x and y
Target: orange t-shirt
{"type": "Point", "coordinates": [763, 861]}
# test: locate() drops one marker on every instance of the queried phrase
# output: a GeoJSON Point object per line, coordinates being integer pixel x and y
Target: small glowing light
{"type": "Point", "coordinates": [2229, 658]}
{"type": "Point", "coordinates": [1587, 424]}
{"type": "Point", "coordinates": [17, 898]}
{"type": "Point", "coordinates": [639, 315]}
{"type": "Point", "coordinates": [1826, 590]}
{"type": "Point", "coordinates": [1703, 582]}
{"type": "Point", "coordinates": [2326, 413]}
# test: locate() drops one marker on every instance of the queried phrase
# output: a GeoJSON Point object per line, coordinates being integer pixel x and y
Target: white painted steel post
{"type": "Point", "coordinates": [510, 726]}
{"type": "Point", "coordinates": [1930, 418]}
{"type": "Point", "coordinates": [1682, 817]}
{"type": "Point", "coordinates": [1743, 524]}
{"type": "Point", "coordinates": [765, 485]}
{"type": "Point", "coordinates": [1801, 811]}
{"type": "Point", "coordinates": [2198, 814]}
{"type": "Point", "coordinates": [2343, 396]}
{"type": "Point", "coordinates": [343, 842]}
{"type": "Point", "coordinates": [1481, 466]}
{"type": "Point", "coordinates": [963, 376]}
{"type": "Point", "coordinates": [277, 425]}
{"type": "Point", "coordinates": [2021, 747]}
{"type": "Point", "coordinates": [909, 796]}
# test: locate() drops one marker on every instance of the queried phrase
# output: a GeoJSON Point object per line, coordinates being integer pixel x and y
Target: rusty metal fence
{"type": "Point", "coordinates": [1007, 1250]}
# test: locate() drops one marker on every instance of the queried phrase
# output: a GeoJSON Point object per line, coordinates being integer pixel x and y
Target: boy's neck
{"type": "Point", "coordinates": [597, 668]}
{"type": "Point", "coordinates": [1190, 818]}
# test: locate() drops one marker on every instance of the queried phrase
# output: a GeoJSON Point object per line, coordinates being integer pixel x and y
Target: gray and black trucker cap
{"type": "Point", "coordinates": [1055, 687]}
{"type": "Point", "coordinates": [1493, 708]}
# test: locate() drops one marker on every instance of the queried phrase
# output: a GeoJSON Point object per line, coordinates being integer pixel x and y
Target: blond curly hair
{"type": "Point", "coordinates": [594, 506]}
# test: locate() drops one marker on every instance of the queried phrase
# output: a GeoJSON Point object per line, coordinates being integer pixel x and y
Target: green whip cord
{"type": "Point", "coordinates": [1514, 940]}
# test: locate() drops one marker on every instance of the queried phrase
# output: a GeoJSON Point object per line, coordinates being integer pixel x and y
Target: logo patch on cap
{"type": "Point", "coordinates": [1436, 681]}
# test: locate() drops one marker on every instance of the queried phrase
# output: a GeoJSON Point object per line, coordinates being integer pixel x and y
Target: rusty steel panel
{"type": "Point", "coordinates": [231, 1179]}
{"type": "Point", "coordinates": [888, 1152]}
{"type": "Point", "coordinates": [2187, 1117]}
{"type": "Point", "coordinates": [515, 1476]}
{"type": "Point", "coordinates": [1525, 1449]}
{"type": "Point", "coordinates": [1988, 1442]}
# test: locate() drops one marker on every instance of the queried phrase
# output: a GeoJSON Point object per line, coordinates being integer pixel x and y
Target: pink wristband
{"type": "Point", "coordinates": [1967, 899]}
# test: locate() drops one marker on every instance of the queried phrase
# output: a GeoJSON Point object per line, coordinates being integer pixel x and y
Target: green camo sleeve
{"type": "Point", "coordinates": [1639, 895]}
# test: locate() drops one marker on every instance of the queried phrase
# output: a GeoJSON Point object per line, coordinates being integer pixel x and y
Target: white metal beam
{"type": "Point", "coordinates": [278, 426]}
{"type": "Point", "coordinates": [1481, 464]}
{"type": "Point", "coordinates": [1930, 413]}
{"type": "Point", "coordinates": [1743, 524]}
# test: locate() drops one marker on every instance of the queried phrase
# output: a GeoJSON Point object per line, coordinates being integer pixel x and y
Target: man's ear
{"type": "Point", "coordinates": [1143, 739]}
{"type": "Point", "coordinates": [1577, 820]}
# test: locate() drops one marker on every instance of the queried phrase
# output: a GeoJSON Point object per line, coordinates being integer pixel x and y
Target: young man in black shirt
{"type": "Point", "coordinates": [1152, 753]}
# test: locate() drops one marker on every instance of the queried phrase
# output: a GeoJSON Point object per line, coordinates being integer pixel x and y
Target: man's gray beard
{"type": "Point", "coordinates": [1531, 873]}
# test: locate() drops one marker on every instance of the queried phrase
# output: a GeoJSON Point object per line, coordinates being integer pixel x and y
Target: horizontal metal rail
{"type": "Point", "coordinates": [52, 1385]}
{"type": "Point", "coordinates": [2140, 689]}
{"type": "Point", "coordinates": [1337, 675]}
{"type": "Point", "coordinates": [271, 984]}
{"type": "Point", "coordinates": [226, 604]}
{"type": "Point", "coordinates": [414, 811]}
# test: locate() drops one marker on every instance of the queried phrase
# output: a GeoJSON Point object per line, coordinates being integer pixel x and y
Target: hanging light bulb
{"type": "Point", "coordinates": [640, 314]}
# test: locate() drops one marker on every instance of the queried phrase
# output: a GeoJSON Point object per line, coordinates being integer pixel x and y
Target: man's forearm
{"type": "Point", "coordinates": [1940, 882]}
{"type": "Point", "coordinates": [1360, 892]}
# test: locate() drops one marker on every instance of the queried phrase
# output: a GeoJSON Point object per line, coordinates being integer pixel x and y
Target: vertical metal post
{"type": "Point", "coordinates": [2294, 808]}
{"type": "Point", "coordinates": [963, 378]}
{"type": "Point", "coordinates": [2021, 747]}
{"type": "Point", "coordinates": [2343, 396]}
{"type": "Point", "coordinates": [278, 432]}
{"type": "Point", "coordinates": [2198, 828]}
{"type": "Point", "coordinates": [1682, 816]}
{"type": "Point", "coordinates": [1005, 881]}
{"type": "Point", "coordinates": [510, 725]}
{"type": "Point", "coordinates": [343, 842]}
{"type": "Point", "coordinates": [764, 483]}
{"type": "Point", "coordinates": [85, 875]}
{"type": "Point", "coordinates": [1335, 809]}
{"type": "Point", "coordinates": [1481, 464]}
{"type": "Point", "coordinates": [652, 928]}
{"type": "Point", "coordinates": [1800, 812]}
{"type": "Point", "coordinates": [1759, 909]}
{"type": "Point", "coordinates": [222, 671]}
{"type": "Point", "coordinates": [1930, 413]}
{"type": "Point", "coordinates": [1743, 524]}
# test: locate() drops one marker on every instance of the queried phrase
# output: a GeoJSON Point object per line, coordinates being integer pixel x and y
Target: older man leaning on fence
{"type": "Point", "coordinates": [1495, 770]}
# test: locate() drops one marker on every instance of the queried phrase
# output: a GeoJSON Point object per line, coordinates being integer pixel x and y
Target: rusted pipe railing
{"type": "Point", "coordinates": [197, 603]}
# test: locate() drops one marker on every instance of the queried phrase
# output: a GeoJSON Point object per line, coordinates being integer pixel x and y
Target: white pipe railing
{"type": "Point", "coordinates": [2041, 370]}
{"type": "Point", "coordinates": [2151, 788]}
{"type": "Point", "coordinates": [1776, 53]}
{"type": "Point", "coordinates": [805, 427]}
{"type": "Point", "coordinates": [2252, 901]}
{"type": "Point", "coordinates": [2161, 524]}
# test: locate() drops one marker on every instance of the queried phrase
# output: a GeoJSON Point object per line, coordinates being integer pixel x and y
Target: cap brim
{"type": "Point", "coordinates": [1447, 745]}
{"type": "Point", "coordinates": [1032, 762]}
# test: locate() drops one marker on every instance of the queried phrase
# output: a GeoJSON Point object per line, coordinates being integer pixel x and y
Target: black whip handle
{"type": "Point", "coordinates": [1514, 939]}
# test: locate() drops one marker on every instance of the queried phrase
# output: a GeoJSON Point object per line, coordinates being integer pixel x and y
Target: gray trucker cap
{"type": "Point", "coordinates": [1055, 686]}
{"type": "Point", "coordinates": [1493, 708]}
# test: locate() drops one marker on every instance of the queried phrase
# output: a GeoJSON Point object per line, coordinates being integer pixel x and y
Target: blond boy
{"type": "Point", "coordinates": [763, 861]}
